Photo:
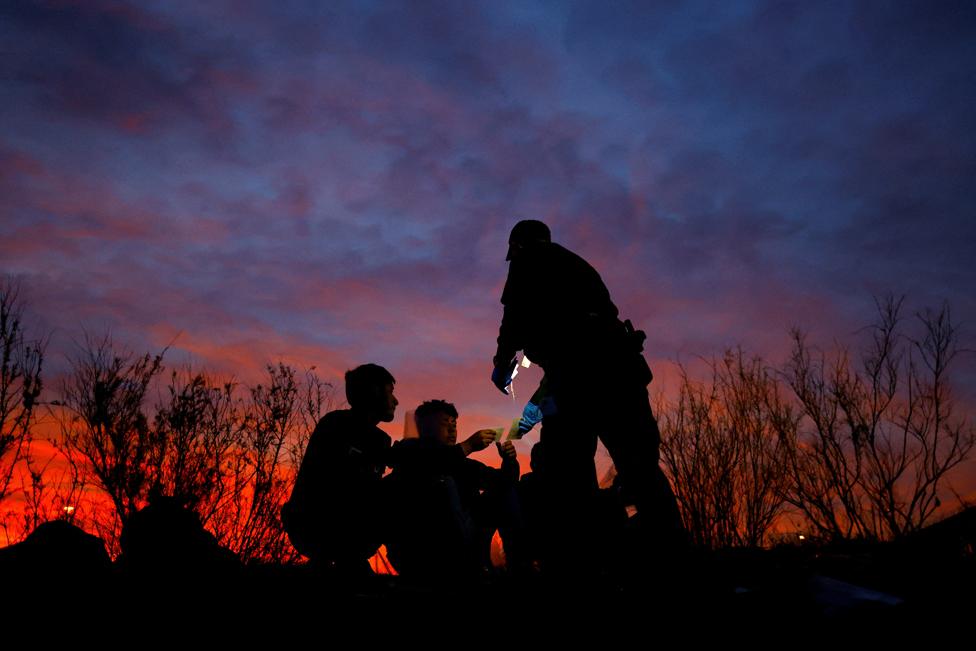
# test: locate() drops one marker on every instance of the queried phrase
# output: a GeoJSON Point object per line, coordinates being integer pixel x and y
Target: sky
{"type": "Point", "coordinates": [333, 183]}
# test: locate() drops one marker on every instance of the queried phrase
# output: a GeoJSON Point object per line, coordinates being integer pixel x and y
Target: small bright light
{"type": "Point", "coordinates": [802, 537]}
{"type": "Point", "coordinates": [69, 510]}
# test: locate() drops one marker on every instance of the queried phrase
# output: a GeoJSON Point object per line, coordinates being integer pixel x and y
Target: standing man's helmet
{"type": "Point", "coordinates": [526, 232]}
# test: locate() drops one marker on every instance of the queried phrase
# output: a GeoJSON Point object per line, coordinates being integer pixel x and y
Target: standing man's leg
{"type": "Point", "coordinates": [570, 490]}
{"type": "Point", "coordinates": [631, 436]}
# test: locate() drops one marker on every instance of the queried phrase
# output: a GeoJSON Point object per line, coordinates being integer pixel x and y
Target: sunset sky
{"type": "Point", "coordinates": [333, 183]}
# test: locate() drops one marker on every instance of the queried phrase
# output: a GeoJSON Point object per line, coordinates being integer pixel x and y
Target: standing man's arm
{"type": "Point", "coordinates": [511, 337]}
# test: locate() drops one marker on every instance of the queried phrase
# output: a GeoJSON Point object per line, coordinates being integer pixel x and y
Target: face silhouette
{"type": "Point", "coordinates": [386, 404]}
{"type": "Point", "coordinates": [515, 250]}
{"type": "Point", "coordinates": [440, 426]}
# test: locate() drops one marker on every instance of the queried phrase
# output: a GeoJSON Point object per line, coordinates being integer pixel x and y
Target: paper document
{"type": "Point", "coordinates": [513, 432]}
{"type": "Point", "coordinates": [525, 363]}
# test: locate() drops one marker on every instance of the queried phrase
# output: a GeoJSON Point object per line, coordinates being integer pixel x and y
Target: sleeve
{"type": "Point", "coordinates": [509, 341]}
{"type": "Point", "coordinates": [413, 457]}
{"type": "Point", "coordinates": [315, 472]}
{"type": "Point", "coordinates": [510, 470]}
{"type": "Point", "coordinates": [511, 333]}
{"type": "Point", "coordinates": [489, 477]}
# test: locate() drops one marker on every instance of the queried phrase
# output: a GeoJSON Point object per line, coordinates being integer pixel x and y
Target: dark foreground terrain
{"type": "Point", "coordinates": [789, 596]}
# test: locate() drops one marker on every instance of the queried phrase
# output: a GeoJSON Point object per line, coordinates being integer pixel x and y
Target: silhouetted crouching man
{"type": "Point", "coordinates": [610, 518]}
{"type": "Point", "coordinates": [57, 557]}
{"type": "Point", "coordinates": [165, 545]}
{"type": "Point", "coordinates": [336, 512]}
{"type": "Point", "coordinates": [532, 502]}
{"type": "Point", "coordinates": [447, 506]}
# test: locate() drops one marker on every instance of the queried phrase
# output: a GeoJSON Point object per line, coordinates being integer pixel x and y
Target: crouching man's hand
{"type": "Point", "coordinates": [506, 450]}
{"type": "Point", "coordinates": [478, 441]}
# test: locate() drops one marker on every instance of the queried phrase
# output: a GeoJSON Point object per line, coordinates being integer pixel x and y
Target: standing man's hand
{"type": "Point", "coordinates": [531, 415]}
{"type": "Point", "coordinates": [478, 441]}
{"type": "Point", "coordinates": [501, 375]}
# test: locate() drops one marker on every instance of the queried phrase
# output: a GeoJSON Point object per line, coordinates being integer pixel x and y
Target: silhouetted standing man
{"type": "Point", "coordinates": [337, 508]}
{"type": "Point", "coordinates": [559, 312]}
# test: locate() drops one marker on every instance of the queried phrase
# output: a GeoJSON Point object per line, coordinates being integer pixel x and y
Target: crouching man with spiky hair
{"type": "Point", "coordinates": [446, 507]}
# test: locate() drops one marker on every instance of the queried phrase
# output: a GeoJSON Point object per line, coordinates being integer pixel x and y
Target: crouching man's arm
{"type": "Point", "coordinates": [510, 465]}
{"type": "Point", "coordinates": [477, 441]}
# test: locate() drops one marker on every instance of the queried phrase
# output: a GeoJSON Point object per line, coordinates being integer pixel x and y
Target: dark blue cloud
{"type": "Point", "coordinates": [727, 166]}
